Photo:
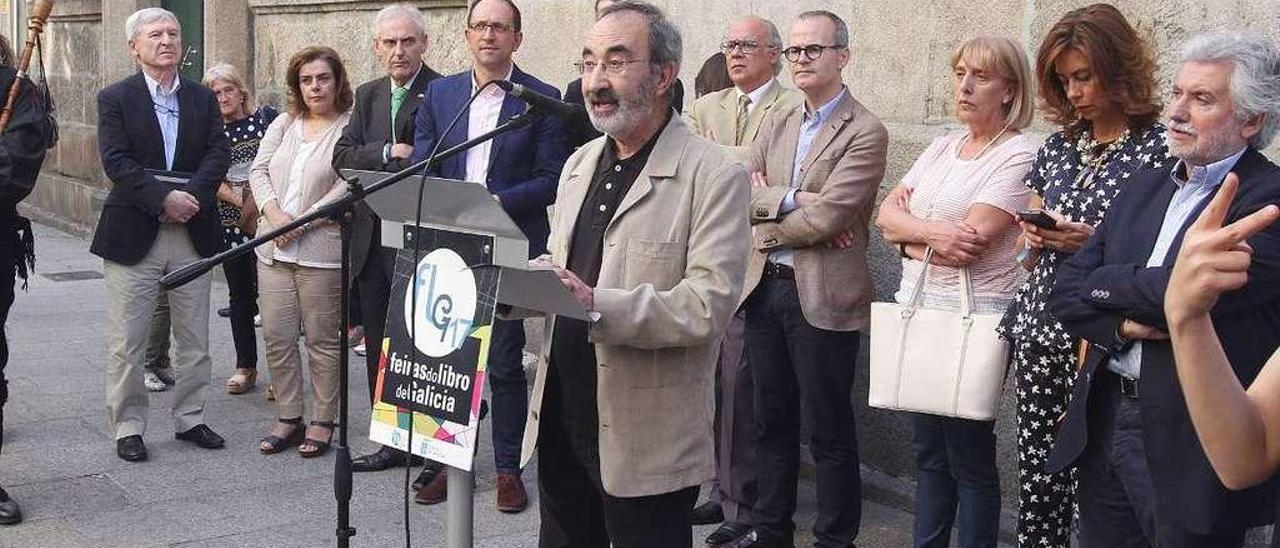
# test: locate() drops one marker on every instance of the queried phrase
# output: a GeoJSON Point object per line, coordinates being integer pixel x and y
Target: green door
{"type": "Point", "coordinates": [191, 16]}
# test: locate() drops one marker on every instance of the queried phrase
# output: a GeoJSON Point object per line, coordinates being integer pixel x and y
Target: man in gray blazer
{"type": "Point", "coordinates": [732, 118]}
{"type": "Point", "coordinates": [379, 137]}
{"type": "Point", "coordinates": [815, 174]}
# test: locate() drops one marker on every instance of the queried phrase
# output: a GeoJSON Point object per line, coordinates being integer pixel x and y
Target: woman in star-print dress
{"type": "Point", "coordinates": [244, 130]}
{"type": "Point", "coordinates": [1108, 113]}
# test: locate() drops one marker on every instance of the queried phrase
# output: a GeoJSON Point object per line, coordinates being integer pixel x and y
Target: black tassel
{"type": "Point", "coordinates": [26, 263]}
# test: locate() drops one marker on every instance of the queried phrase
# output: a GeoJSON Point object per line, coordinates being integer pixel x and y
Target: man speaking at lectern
{"type": "Point", "coordinates": [520, 170]}
{"type": "Point", "coordinates": [650, 232]}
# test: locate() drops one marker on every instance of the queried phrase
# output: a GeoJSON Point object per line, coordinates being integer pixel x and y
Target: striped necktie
{"type": "Point", "coordinates": [741, 131]}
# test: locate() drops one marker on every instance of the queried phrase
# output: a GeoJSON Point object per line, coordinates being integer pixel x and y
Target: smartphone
{"type": "Point", "coordinates": [1038, 218]}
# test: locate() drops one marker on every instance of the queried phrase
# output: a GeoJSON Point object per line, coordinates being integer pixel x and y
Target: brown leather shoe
{"type": "Point", "coordinates": [434, 492]}
{"type": "Point", "coordinates": [512, 498]}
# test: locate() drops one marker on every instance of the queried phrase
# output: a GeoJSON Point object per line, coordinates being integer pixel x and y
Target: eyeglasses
{"type": "Point", "coordinates": [497, 28]}
{"type": "Point", "coordinates": [612, 67]}
{"type": "Point", "coordinates": [745, 46]}
{"type": "Point", "coordinates": [811, 52]}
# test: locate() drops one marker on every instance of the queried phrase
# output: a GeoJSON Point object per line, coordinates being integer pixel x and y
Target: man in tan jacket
{"type": "Point", "coordinates": [732, 118]}
{"type": "Point", "coordinates": [816, 171]}
{"type": "Point", "coordinates": [649, 233]}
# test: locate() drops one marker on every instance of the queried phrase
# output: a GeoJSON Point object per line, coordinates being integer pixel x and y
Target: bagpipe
{"type": "Point", "coordinates": [27, 124]}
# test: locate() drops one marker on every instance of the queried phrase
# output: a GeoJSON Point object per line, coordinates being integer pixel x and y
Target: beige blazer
{"type": "Point", "coordinates": [269, 179]}
{"type": "Point", "coordinates": [845, 165]}
{"type": "Point", "coordinates": [674, 259]}
{"type": "Point", "coordinates": [715, 115]}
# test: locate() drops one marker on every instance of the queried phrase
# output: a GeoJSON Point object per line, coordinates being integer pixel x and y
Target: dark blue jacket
{"type": "Point", "coordinates": [524, 165]}
{"type": "Point", "coordinates": [130, 142]}
{"type": "Point", "coordinates": [1108, 281]}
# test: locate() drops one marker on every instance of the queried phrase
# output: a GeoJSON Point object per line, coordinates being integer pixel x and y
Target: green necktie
{"type": "Point", "coordinates": [397, 98]}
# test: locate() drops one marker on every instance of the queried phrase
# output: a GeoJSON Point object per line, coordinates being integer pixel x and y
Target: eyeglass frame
{"type": "Point", "coordinates": [747, 47]}
{"type": "Point", "coordinates": [805, 51]}
{"type": "Point", "coordinates": [480, 27]}
{"type": "Point", "coordinates": [612, 67]}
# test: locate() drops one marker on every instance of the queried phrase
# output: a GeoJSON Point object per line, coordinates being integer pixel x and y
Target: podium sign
{"type": "Point", "coordinates": [438, 374]}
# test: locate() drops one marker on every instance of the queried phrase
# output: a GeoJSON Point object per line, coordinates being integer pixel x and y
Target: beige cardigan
{"type": "Point", "coordinates": [269, 178]}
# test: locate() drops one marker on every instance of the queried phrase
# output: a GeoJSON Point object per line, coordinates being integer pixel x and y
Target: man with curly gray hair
{"type": "Point", "coordinates": [1144, 478]}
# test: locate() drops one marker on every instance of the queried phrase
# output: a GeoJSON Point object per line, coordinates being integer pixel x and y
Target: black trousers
{"type": "Point", "coordinates": [374, 281]}
{"type": "Point", "coordinates": [575, 510]}
{"type": "Point", "coordinates": [802, 372]}
{"type": "Point", "coordinates": [1116, 494]}
{"type": "Point", "coordinates": [242, 284]}
{"type": "Point", "coordinates": [11, 251]}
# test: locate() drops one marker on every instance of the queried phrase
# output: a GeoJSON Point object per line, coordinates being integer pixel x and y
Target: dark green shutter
{"type": "Point", "coordinates": [191, 16]}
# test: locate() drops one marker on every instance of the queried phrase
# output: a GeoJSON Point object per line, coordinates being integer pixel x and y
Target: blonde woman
{"type": "Point", "coordinates": [236, 208]}
{"type": "Point", "coordinates": [299, 273]}
{"type": "Point", "coordinates": [959, 202]}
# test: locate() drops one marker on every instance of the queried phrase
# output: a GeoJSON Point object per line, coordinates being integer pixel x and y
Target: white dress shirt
{"type": "Point", "coordinates": [757, 95]}
{"type": "Point", "coordinates": [482, 118]}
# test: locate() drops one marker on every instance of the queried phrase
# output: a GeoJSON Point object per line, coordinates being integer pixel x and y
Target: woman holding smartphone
{"type": "Point", "coordinates": [1097, 82]}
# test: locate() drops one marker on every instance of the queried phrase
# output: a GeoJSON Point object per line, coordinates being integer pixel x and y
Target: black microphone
{"type": "Point", "coordinates": [561, 109]}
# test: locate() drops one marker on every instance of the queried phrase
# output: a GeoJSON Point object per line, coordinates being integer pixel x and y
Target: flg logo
{"type": "Point", "coordinates": [446, 291]}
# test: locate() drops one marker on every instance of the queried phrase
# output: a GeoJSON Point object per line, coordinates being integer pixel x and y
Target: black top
{"type": "Point", "coordinates": [579, 132]}
{"type": "Point", "coordinates": [1059, 175]}
{"type": "Point", "coordinates": [572, 355]}
{"type": "Point", "coordinates": [245, 135]}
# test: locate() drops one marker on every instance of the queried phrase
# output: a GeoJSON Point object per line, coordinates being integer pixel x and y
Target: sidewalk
{"type": "Point", "coordinates": [59, 460]}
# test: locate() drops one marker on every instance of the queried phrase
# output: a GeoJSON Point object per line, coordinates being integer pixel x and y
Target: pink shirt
{"type": "Point", "coordinates": [943, 188]}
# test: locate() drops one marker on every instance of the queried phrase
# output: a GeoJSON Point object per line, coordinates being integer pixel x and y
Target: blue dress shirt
{"type": "Point", "coordinates": [810, 123]}
{"type": "Point", "coordinates": [1198, 186]}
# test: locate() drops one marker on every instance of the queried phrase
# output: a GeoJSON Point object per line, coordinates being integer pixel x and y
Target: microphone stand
{"type": "Point", "coordinates": [338, 211]}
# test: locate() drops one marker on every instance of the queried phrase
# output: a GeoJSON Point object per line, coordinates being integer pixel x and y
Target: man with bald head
{"type": "Point", "coordinates": [732, 117]}
{"type": "Point", "coordinates": [649, 233]}
{"type": "Point", "coordinates": [815, 174]}
{"type": "Point", "coordinates": [519, 168]}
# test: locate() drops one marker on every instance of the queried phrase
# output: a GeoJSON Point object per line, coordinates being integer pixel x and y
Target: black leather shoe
{"type": "Point", "coordinates": [752, 540]}
{"type": "Point", "coordinates": [131, 448]}
{"type": "Point", "coordinates": [10, 513]}
{"type": "Point", "coordinates": [708, 513]}
{"type": "Point", "coordinates": [425, 476]}
{"type": "Point", "coordinates": [383, 459]}
{"type": "Point", "coordinates": [224, 312]}
{"type": "Point", "coordinates": [202, 436]}
{"type": "Point", "coordinates": [727, 533]}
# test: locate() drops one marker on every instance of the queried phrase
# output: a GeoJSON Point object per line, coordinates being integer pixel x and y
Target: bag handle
{"type": "Point", "coordinates": [966, 289]}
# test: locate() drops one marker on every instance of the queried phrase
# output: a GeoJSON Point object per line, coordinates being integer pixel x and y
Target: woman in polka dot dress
{"type": "Point", "coordinates": [237, 212]}
{"type": "Point", "coordinates": [1097, 81]}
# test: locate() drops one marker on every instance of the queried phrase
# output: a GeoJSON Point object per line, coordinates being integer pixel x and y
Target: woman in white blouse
{"type": "Point", "coordinates": [958, 205]}
{"type": "Point", "coordinates": [299, 276]}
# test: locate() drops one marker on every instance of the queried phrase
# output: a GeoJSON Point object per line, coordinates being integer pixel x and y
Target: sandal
{"type": "Point", "coordinates": [271, 393]}
{"type": "Point", "coordinates": [277, 440]}
{"type": "Point", "coordinates": [242, 381]}
{"type": "Point", "coordinates": [320, 446]}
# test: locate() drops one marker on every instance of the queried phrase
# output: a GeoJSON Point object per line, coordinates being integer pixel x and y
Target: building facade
{"type": "Point", "coordinates": [901, 50]}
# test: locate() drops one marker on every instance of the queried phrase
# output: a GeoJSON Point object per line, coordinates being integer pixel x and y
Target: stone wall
{"type": "Point", "coordinates": [900, 53]}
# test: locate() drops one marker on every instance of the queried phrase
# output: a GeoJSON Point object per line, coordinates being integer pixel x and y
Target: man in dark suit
{"type": "Point", "coordinates": [1144, 479]}
{"type": "Point", "coordinates": [578, 132]}
{"type": "Point", "coordinates": [157, 120]}
{"type": "Point", "coordinates": [379, 137]}
{"type": "Point", "coordinates": [520, 169]}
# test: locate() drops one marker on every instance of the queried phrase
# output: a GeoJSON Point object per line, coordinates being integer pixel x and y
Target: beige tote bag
{"type": "Point", "coordinates": [938, 362]}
